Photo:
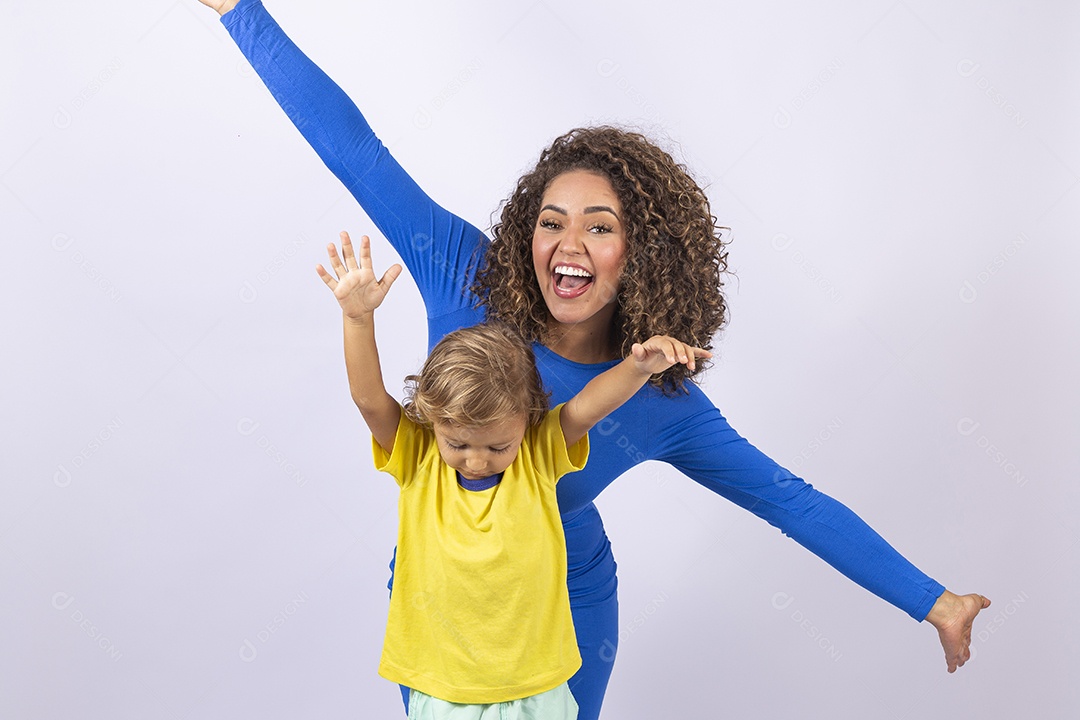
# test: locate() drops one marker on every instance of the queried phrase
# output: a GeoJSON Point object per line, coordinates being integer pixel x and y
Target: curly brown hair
{"type": "Point", "coordinates": [477, 376]}
{"type": "Point", "coordinates": [675, 252]}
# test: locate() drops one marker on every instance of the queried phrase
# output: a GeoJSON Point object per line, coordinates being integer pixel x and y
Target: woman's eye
{"type": "Point", "coordinates": [600, 229]}
{"type": "Point", "coordinates": [549, 224]}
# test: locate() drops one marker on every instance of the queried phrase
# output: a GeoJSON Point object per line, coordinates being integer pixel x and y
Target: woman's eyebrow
{"type": "Point", "coordinates": [588, 211]}
{"type": "Point", "coordinates": [600, 208]}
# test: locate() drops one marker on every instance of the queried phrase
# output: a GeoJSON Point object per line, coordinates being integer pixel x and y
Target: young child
{"type": "Point", "coordinates": [479, 623]}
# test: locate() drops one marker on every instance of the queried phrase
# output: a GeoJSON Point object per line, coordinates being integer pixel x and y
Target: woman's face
{"type": "Point", "coordinates": [579, 245]}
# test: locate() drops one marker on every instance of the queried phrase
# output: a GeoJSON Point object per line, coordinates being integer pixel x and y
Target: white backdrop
{"type": "Point", "coordinates": [190, 525]}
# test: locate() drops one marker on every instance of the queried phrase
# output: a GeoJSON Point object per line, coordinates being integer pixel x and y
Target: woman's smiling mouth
{"type": "Point", "coordinates": [570, 281]}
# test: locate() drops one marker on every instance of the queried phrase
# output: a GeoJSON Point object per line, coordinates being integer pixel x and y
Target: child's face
{"type": "Point", "coordinates": [479, 451]}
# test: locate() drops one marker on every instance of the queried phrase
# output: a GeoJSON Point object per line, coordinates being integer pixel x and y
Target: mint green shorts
{"type": "Point", "coordinates": [555, 704]}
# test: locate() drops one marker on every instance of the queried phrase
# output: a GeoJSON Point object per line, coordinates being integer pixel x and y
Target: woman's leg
{"type": "Point", "coordinates": [594, 603]}
{"type": "Point", "coordinates": [597, 628]}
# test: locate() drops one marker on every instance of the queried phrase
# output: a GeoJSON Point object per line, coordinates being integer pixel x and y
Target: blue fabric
{"type": "Point", "coordinates": [687, 431]}
{"type": "Point", "coordinates": [479, 485]}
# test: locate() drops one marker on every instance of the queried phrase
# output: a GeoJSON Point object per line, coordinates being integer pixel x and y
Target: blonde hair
{"type": "Point", "coordinates": [477, 376]}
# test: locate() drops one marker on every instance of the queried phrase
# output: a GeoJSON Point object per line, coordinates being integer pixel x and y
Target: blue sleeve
{"type": "Point", "coordinates": [439, 248]}
{"type": "Point", "coordinates": [701, 443]}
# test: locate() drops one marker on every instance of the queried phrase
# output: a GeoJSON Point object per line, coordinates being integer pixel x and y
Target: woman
{"type": "Point", "coordinates": [587, 257]}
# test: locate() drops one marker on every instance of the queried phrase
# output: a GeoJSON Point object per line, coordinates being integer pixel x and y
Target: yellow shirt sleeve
{"type": "Point", "coordinates": [411, 442]}
{"type": "Point", "coordinates": [550, 456]}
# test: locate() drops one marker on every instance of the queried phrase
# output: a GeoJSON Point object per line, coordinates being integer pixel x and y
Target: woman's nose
{"type": "Point", "coordinates": [571, 242]}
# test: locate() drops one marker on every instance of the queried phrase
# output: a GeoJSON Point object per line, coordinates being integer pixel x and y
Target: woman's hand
{"type": "Point", "coordinates": [953, 616]}
{"type": "Point", "coordinates": [222, 6]}
{"type": "Point", "coordinates": [660, 352]}
{"type": "Point", "coordinates": [355, 286]}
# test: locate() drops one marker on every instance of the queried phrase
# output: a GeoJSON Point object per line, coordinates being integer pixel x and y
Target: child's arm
{"type": "Point", "coordinates": [359, 293]}
{"type": "Point", "coordinates": [607, 391]}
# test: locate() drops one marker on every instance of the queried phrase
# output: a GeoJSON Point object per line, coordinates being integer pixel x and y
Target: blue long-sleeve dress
{"type": "Point", "coordinates": [687, 431]}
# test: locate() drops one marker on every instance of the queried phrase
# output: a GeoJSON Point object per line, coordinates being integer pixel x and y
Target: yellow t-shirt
{"type": "Point", "coordinates": [480, 612]}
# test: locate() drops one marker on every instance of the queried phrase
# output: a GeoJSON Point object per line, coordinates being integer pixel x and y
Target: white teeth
{"type": "Point", "coordinates": [576, 272]}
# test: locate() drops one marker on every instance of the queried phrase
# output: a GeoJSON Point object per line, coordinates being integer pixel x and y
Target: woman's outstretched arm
{"type": "Point", "coordinates": [703, 445]}
{"type": "Point", "coordinates": [438, 247]}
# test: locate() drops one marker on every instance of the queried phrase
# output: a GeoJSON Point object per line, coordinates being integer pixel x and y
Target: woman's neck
{"type": "Point", "coordinates": [585, 343]}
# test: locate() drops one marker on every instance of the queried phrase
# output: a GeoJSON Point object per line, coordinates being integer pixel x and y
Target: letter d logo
{"type": "Point", "coordinates": [782, 118]}
{"type": "Point", "coordinates": [62, 477]}
{"type": "Point", "coordinates": [248, 653]}
{"type": "Point", "coordinates": [966, 68]}
{"type": "Point", "coordinates": [782, 600]}
{"type": "Point", "coordinates": [61, 600]}
{"type": "Point", "coordinates": [246, 426]}
{"type": "Point", "coordinates": [968, 293]}
{"type": "Point", "coordinates": [966, 426]}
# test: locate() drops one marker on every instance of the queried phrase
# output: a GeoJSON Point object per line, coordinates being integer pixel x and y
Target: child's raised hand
{"type": "Point", "coordinates": [660, 352]}
{"type": "Point", "coordinates": [355, 286]}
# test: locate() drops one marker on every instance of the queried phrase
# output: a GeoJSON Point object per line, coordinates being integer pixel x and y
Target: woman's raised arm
{"type": "Point", "coordinates": [438, 247]}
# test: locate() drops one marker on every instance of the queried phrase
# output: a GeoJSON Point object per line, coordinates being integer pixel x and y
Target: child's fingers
{"type": "Point", "coordinates": [365, 253]}
{"type": "Point", "coordinates": [660, 345]}
{"type": "Point", "coordinates": [686, 353]}
{"type": "Point", "coordinates": [672, 350]}
{"type": "Point", "coordinates": [390, 276]}
{"type": "Point", "coordinates": [692, 353]}
{"type": "Point", "coordinates": [335, 260]}
{"type": "Point", "coordinates": [676, 351]}
{"type": "Point", "coordinates": [680, 353]}
{"type": "Point", "coordinates": [699, 353]}
{"type": "Point", "coordinates": [689, 355]}
{"type": "Point", "coordinates": [326, 277]}
{"type": "Point", "coordinates": [682, 350]}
